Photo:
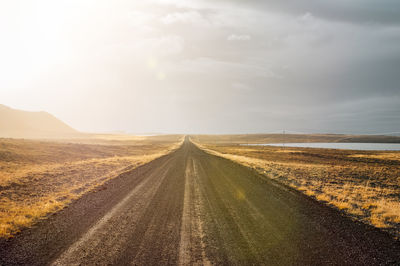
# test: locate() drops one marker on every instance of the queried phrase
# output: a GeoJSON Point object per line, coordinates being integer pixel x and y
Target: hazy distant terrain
{"type": "Point", "coordinates": [293, 138]}
{"type": "Point", "coordinates": [23, 124]}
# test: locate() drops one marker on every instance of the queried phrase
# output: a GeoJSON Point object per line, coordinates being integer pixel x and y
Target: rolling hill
{"type": "Point", "coordinates": [23, 124]}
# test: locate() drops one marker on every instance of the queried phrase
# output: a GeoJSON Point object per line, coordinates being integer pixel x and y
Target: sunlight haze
{"type": "Point", "coordinates": [204, 66]}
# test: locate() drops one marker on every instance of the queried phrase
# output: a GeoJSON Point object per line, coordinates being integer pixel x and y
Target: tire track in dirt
{"type": "Point", "coordinates": [192, 247]}
{"type": "Point", "coordinates": [155, 238]}
{"type": "Point", "coordinates": [102, 243]}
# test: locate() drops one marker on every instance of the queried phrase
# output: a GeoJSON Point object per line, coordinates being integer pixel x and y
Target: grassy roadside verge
{"type": "Point", "coordinates": [363, 184]}
{"type": "Point", "coordinates": [41, 177]}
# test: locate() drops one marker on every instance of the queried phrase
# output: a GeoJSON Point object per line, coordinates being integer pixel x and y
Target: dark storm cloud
{"type": "Point", "coordinates": [305, 65]}
{"type": "Point", "coordinates": [358, 11]}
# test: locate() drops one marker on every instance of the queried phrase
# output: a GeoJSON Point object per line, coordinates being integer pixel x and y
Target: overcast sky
{"type": "Point", "coordinates": [214, 66]}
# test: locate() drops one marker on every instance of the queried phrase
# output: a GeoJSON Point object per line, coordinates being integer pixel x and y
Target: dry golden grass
{"type": "Point", "coordinates": [41, 177]}
{"type": "Point", "coordinates": [363, 184]}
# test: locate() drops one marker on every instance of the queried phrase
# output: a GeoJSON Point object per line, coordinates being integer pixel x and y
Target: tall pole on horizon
{"type": "Point", "coordinates": [283, 139]}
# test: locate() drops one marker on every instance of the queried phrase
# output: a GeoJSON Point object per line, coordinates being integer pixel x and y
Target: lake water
{"type": "Point", "coordinates": [346, 146]}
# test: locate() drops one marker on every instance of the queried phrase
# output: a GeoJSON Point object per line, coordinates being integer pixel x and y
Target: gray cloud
{"type": "Point", "coordinates": [208, 66]}
{"type": "Point", "coordinates": [356, 11]}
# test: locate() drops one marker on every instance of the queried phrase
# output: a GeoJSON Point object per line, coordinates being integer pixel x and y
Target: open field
{"type": "Point", "coordinates": [363, 184]}
{"type": "Point", "coordinates": [41, 177]}
{"type": "Point", "coordinates": [193, 208]}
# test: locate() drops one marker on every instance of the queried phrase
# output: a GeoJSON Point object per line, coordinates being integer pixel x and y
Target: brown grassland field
{"type": "Point", "coordinates": [364, 185]}
{"type": "Point", "coordinates": [41, 177]}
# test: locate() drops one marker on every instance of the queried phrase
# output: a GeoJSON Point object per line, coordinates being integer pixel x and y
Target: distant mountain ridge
{"type": "Point", "coordinates": [24, 124]}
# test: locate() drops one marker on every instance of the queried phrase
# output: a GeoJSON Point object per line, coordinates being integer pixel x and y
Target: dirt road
{"type": "Point", "coordinates": [190, 207]}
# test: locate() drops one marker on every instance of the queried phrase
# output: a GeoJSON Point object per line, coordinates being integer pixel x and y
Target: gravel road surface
{"type": "Point", "coordinates": [193, 208]}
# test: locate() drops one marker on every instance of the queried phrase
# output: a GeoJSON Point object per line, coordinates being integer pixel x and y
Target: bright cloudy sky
{"type": "Point", "coordinates": [201, 66]}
